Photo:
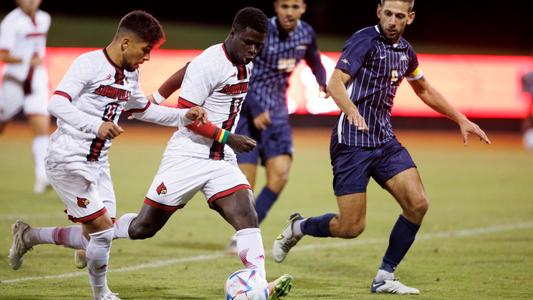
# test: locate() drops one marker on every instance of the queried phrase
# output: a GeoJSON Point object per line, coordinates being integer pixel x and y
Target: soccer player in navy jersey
{"type": "Point", "coordinates": [373, 63]}
{"type": "Point", "coordinates": [264, 115]}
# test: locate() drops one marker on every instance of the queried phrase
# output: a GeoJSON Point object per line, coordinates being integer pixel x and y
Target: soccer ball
{"type": "Point", "coordinates": [246, 284]}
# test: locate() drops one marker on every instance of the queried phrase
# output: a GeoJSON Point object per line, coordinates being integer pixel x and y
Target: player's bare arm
{"type": "Point", "coordinates": [337, 89]}
{"type": "Point", "coordinates": [172, 84]}
{"type": "Point", "coordinates": [262, 120]}
{"type": "Point", "coordinates": [437, 102]}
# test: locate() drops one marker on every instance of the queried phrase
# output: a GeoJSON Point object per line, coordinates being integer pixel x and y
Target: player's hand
{"type": "Point", "coordinates": [323, 91]}
{"type": "Point", "coordinates": [35, 60]}
{"type": "Point", "coordinates": [109, 130]}
{"type": "Point", "coordinates": [262, 120]}
{"type": "Point", "coordinates": [197, 113]}
{"type": "Point", "coordinates": [151, 99]}
{"type": "Point", "coordinates": [355, 118]}
{"type": "Point", "coordinates": [468, 127]}
{"type": "Point", "coordinates": [241, 143]}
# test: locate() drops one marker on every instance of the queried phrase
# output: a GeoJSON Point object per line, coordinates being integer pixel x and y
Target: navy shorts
{"type": "Point", "coordinates": [353, 166]}
{"type": "Point", "coordinates": [275, 140]}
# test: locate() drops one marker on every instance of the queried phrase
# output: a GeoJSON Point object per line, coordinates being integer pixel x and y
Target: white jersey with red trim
{"type": "Point", "coordinates": [219, 86]}
{"type": "Point", "coordinates": [23, 37]}
{"type": "Point", "coordinates": [100, 90]}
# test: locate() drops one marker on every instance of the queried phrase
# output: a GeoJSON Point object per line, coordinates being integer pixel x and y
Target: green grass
{"type": "Point", "coordinates": [478, 187]}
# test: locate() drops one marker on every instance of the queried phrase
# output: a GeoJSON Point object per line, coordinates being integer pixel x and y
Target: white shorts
{"type": "Point", "coordinates": [86, 189]}
{"type": "Point", "coordinates": [13, 98]}
{"type": "Point", "coordinates": [180, 178]}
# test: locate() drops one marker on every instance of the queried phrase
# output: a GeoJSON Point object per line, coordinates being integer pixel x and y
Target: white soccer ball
{"type": "Point", "coordinates": [246, 284]}
{"type": "Point", "coordinates": [528, 139]}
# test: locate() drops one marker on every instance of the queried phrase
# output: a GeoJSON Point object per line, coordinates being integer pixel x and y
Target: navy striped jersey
{"type": "Point", "coordinates": [377, 68]}
{"type": "Point", "coordinates": [272, 67]}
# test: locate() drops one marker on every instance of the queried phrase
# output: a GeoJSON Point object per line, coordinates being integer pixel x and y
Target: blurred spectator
{"type": "Point", "coordinates": [527, 86]}
{"type": "Point", "coordinates": [25, 80]}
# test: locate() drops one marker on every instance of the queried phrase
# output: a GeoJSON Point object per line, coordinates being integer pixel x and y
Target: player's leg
{"type": "Point", "coordinates": [143, 225]}
{"type": "Point", "coordinates": [397, 174]}
{"type": "Point", "coordinates": [276, 154]}
{"type": "Point", "coordinates": [11, 100]}
{"type": "Point", "coordinates": [277, 174]}
{"type": "Point", "coordinates": [350, 178]}
{"type": "Point", "coordinates": [40, 126]}
{"type": "Point", "coordinates": [238, 210]}
{"type": "Point", "coordinates": [100, 232]}
{"type": "Point", "coordinates": [35, 108]}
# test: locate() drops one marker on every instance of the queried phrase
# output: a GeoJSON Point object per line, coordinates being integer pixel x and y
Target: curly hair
{"type": "Point", "coordinates": [251, 17]}
{"type": "Point", "coordinates": [144, 25]}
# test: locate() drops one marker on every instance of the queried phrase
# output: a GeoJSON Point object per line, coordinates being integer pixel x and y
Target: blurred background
{"type": "Point", "coordinates": [475, 52]}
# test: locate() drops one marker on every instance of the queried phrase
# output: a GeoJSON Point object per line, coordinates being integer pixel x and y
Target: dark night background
{"type": "Point", "coordinates": [505, 25]}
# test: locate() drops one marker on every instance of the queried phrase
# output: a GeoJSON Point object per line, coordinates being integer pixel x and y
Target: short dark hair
{"type": "Point", "coordinates": [251, 17]}
{"type": "Point", "coordinates": [411, 3]}
{"type": "Point", "coordinates": [144, 25]}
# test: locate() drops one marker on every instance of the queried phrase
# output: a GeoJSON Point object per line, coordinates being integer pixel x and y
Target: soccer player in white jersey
{"type": "Point", "coordinates": [25, 80]}
{"type": "Point", "coordinates": [98, 86]}
{"type": "Point", "coordinates": [197, 159]}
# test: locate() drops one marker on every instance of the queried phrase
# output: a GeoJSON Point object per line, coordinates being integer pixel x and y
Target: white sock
{"type": "Point", "coordinates": [39, 147]}
{"type": "Point", "coordinates": [250, 249]}
{"type": "Point", "coordinates": [122, 224]}
{"type": "Point", "coordinates": [296, 227]}
{"type": "Point", "coordinates": [97, 260]}
{"type": "Point", "coordinates": [71, 236]}
{"type": "Point", "coordinates": [383, 275]}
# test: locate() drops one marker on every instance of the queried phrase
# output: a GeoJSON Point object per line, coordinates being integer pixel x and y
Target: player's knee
{"type": "Point", "coordinates": [141, 231]}
{"type": "Point", "coordinates": [277, 182]}
{"type": "Point", "coordinates": [418, 209]}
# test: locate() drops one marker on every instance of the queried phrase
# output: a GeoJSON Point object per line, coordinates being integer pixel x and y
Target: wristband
{"type": "Point", "coordinates": [222, 136]}
{"type": "Point", "coordinates": [158, 98]}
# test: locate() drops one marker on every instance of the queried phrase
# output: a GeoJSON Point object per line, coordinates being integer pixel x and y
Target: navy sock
{"type": "Point", "coordinates": [401, 238]}
{"type": "Point", "coordinates": [317, 226]}
{"type": "Point", "coordinates": [264, 202]}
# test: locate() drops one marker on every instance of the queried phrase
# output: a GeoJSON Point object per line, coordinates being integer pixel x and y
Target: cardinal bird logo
{"type": "Point", "coordinates": [83, 202]}
{"type": "Point", "coordinates": [161, 189]}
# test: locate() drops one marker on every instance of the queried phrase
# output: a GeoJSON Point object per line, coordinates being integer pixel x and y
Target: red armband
{"type": "Point", "coordinates": [209, 130]}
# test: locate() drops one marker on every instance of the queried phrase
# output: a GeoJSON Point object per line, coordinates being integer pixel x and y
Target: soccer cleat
{"type": "Point", "coordinates": [18, 247]}
{"type": "Point", "coordinates": [280, 287]}
{"type": "Point", "coordinates": [108, 296]}
{"type": "Point", "coordinates": [286, 240]}
{"type": "Point", "coordinates": [392, 286]}
{"type": "Point", "coordinates": [80, 260]}
{"type": "Point", "coordinates": [41, 184]}
{"type": "Point", "coordinates": [231, 247]}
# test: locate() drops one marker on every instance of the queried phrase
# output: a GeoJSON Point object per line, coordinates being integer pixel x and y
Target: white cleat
{"type": "Point", "coordinates": [392, 286]}
{"type": "Point", "coordinates": [41, 184]}
{"type": "Point", "coordinates": [231, 247]}
{"type": "Point", "coordinates": [18, 247]}
{"type": "Point", "coordinates": [80, 260]}
{"type": "Point", "coordinates": [286, 240]}
{"type": "Point", "coordinates": [108, 296]}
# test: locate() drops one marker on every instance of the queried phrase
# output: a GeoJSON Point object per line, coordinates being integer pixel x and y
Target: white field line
{"type": "Point", "coordinates": [310, 247]}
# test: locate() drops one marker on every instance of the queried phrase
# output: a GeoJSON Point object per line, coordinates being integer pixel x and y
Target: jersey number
{"type": "Point", "coordinates": [286, 64]}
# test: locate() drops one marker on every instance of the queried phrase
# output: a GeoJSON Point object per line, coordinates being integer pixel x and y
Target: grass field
{"type": "Point", "coordinates": [476, 242]}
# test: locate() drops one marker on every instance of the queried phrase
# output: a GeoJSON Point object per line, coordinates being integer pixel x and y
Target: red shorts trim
{"type": "Point", "coordinates": [89, 217]}
{"type": "Point", "coordinates": [228, 192]}
{"type": "Point", "coordinates": [164, 207]}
